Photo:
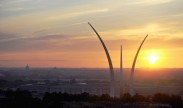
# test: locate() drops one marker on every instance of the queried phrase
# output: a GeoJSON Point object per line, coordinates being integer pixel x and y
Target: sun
{"type": "Point", "coordinates": [152, 57]}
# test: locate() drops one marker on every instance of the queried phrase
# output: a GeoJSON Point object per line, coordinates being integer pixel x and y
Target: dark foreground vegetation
{"type": "Point", "coordinates": [24, 99]}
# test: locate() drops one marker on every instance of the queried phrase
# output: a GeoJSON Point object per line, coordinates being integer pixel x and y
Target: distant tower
{"type": "Point", "coordinates": [55, 67]}
{"type": "Point", "coordinates": [121, 74]}
{"type": "Point", "coordinates": [27, 67]}
{"type": "Point", "coordinates": [112, 84]}
{"type": "Point", "coordinates": [132, 92]}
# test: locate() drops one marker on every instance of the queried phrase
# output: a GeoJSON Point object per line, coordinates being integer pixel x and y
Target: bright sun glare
{"type": "Point", "coordinates": [152, 57]}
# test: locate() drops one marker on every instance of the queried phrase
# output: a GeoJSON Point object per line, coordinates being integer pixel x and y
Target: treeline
{"type": "Point", "coordinates": [24, 99]}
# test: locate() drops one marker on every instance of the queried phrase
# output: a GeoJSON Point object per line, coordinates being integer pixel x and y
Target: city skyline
{"type": "Point", "coordinates": [56, 34]}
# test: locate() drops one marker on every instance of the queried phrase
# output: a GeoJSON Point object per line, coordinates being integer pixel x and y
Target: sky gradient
{"type": "Point", "coordinates": [49, 33]}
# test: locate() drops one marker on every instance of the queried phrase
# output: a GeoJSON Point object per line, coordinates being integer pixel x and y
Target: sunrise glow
{"type": "Point", "coordinates": [152, 57]}
{"type": "Point", "coordinates": [44, 33]}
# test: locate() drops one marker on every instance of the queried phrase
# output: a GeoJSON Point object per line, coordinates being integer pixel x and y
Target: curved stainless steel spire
{"type": "Point", "coordinates": [112, 85]}
{"type": "Point", "coordinates": [121, 73]}
{"type": "Point", "coordinates": [132, 92]}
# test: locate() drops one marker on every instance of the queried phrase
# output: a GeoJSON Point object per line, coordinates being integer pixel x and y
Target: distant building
{"type": "Point", "coordinates": [27, 67]}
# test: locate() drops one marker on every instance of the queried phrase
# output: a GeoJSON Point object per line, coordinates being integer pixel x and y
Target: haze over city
{"type": "Point", "coordinates": [55, 33]}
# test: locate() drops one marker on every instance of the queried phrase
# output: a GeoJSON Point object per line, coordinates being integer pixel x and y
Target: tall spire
{"type": "Point", "coordinates": [121, 73]}
{"type": "Point", "coordinates": [112, 84]}
{"type": "Point", "coordinates": [132, 92]}
{"type": "Point", "coordinates": [27, 67]}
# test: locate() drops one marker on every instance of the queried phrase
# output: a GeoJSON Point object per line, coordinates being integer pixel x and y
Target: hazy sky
{"type": "Point", "coordinates": [48, 33]}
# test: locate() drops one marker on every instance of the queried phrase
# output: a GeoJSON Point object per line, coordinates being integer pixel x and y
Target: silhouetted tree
{"type": "Point", "coordinates": [24, 99]}
{"type": "Point", "coordinates": [127, 98]}
{"type": "Point", "coordinates": [176, 101]}
{"type": "Point", "coordinates": [138, 98]}
{"type": "Point", "coordinates": [161, 98]}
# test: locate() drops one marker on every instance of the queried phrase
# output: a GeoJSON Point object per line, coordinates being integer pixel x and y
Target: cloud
{"type": "Point", "coordinates": [48, 37]}
{"type": "Point", "coordinates": [75, 14]}
{"type": "Point", "coordinates": [18, 9]}
{"type": "Point", "coordinates": [20, 60]}
{"type": "Point", "coordinates": [7, 36]}
{"type": "Point", "coordinates": [149, 2]}
{"type": "Point", "coordinates": [66, 43]}
{"type": "Point", "coordinates": [13, 37]}
{"type": "Point", "coordinates": [11, 2]}
{"type": "Point", "coordinates": [32, 43]}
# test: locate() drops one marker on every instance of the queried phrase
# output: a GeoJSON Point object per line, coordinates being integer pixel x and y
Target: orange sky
{"type": "Point", "coordinates": [44, 33]}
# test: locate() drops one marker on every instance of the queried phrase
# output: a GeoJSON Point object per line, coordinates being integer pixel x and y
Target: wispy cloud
{"type": "Point", "coordinates": [14, 60]}
{"type": "Point", "coordinates": [47, 42]}
{"type": "Point", "coordinates": [16, 1]}
{"type": "Point", "coordinates": [148, 2]}
{"type": "Point", "coordinates": [5, 37]}
{"type": "Point", "coordinates": [18, 9]}
{"type": "Point", "coordinates": [75, 14]}
{"type": "Point", "coordinates": [89, 44]}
